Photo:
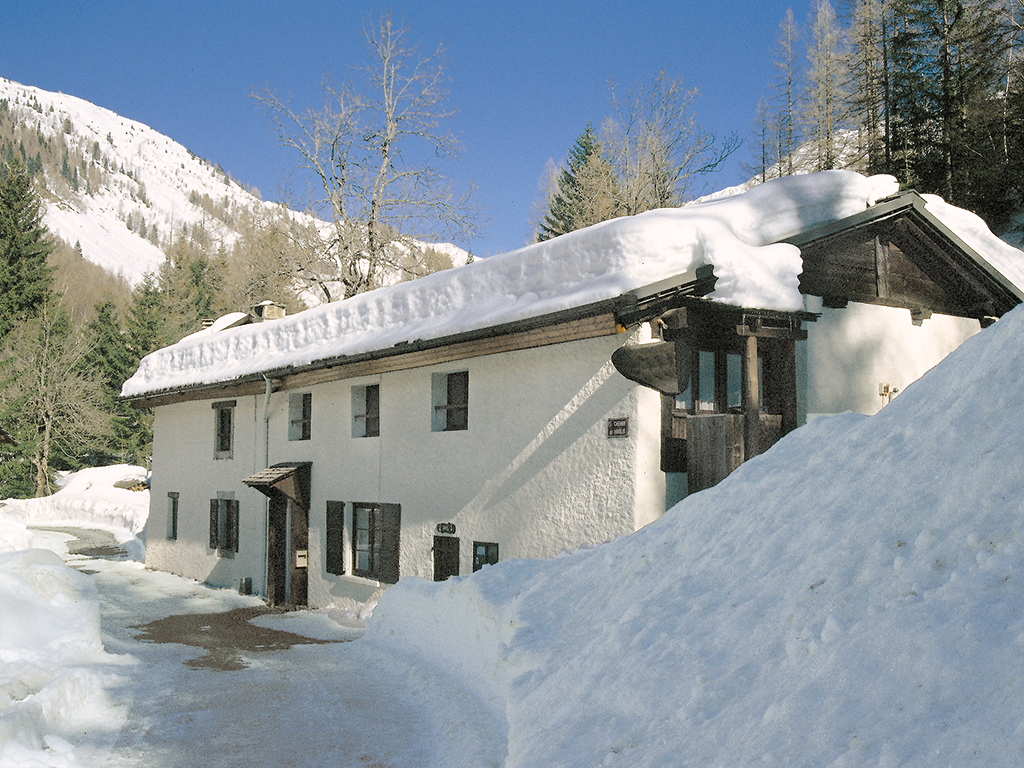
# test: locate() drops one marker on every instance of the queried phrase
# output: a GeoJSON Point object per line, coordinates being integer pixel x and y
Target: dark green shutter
{"type": "Point", "coordinates": [335, 537]}
{"type": "Point", "coordinates": [231, 545]}
{"type": "Point", "coordinates": [213, 523]}
{"type": "Point", "coordinates": [390, 530]}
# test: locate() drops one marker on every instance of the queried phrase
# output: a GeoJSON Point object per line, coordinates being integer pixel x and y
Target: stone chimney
{"type": "Point", "coordinates": [266, 310]}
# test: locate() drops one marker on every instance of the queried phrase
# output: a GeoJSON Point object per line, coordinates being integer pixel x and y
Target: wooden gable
{"type": "Point", "coordinates": [898, 254]}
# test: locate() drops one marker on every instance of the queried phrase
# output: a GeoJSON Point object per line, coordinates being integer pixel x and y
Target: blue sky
{"type": "Point", "coordinates": [526, 76]}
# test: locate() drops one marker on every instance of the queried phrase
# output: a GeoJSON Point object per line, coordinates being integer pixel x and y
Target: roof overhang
{"type": "Point", "coordinates": [290, 479]}
{"type": "Point", "coordinates": [949, 276]}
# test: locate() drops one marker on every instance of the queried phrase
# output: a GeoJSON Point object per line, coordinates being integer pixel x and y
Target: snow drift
{"type": "Point", "coordinates": [852, 597]}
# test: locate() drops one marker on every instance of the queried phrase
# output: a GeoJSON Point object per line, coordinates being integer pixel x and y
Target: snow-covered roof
{"type": "Point", "coordinates": [738, 235]}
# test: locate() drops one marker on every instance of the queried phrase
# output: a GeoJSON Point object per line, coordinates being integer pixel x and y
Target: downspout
{"type": "Point", "coordinates": [266, 463]}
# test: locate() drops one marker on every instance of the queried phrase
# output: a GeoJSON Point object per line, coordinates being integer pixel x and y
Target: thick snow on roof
{"type": "Point", "coordinates": [738, 235]}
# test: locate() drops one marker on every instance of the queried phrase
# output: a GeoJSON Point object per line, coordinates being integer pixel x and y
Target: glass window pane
{"type": "Point", "coordinates": [733, 381]}
{"type": "Point", "coordinates": [706, 381]}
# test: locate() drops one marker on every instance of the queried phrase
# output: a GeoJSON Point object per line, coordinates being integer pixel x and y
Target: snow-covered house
{"type": "Point", "coordinates": [562, 394]}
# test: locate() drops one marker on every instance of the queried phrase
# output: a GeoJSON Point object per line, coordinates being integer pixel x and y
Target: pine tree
{"type": "Point", "coordinates": [585, 190]}
{"type": "Point", "coordinates": [25, 243]}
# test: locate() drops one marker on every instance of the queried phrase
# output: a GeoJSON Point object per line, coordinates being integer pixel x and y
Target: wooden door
{"type": "Point", "coordinates": [299, 555]}
{"type": "Point", "coordinates": [714, 448]}
{"type": "Point", "coordinates": [277, 548]}
{"type": "Point", "coordinates": [446, 557]}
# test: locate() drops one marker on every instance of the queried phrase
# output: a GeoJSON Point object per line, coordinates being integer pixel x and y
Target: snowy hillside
{"type": "Point", "coordinates": [853, 597]}
{"type": "Point", "coordinates": [152, 179]}
{"type": "Point", "coordinates": [153, 186]}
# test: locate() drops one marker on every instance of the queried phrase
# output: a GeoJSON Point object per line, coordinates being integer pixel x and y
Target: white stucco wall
{"type": "Point", "coordinates": [184, 463]}
{"type": "Point", "coordinates": [850, 351]}
{"type": "Point", "coordinates": [535, 472]}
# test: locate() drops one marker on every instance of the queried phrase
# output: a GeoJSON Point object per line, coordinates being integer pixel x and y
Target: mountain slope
{"type": "Point", "coordinates": [147, 185]}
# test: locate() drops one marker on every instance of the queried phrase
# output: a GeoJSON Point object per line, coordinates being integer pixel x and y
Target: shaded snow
{"type": "Point", "coordinates": [853, 597]}
{"type": "Point", "coordinates": [738, 235]}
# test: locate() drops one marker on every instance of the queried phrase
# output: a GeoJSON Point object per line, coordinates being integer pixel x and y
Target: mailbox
{"type": "Point", "coordinates": [301, 558]}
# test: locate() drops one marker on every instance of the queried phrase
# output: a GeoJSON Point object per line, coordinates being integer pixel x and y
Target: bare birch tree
{"type": "Point", "coordinates": [372, 151]}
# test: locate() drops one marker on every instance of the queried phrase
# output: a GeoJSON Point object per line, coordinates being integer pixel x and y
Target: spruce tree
{"type": "Point", "coordinates": [585, 190]}
{"type": "Point", "coordinates": [25, 278]}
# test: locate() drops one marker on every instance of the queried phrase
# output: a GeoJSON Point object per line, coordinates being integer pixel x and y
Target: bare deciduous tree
{"type": "Point", "coordinates": [372, 153]}
{"type": "Point", "coordinates": [656, 146]}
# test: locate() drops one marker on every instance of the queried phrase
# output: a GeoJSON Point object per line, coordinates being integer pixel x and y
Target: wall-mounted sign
{"type": "Point", "coordinates": [618, 427]}
{"type": "Point", "coordinates": [448, 529]}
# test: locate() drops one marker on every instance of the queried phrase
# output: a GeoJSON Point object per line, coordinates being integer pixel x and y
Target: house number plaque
{"type": "Point", "coordinates": [448, 529]}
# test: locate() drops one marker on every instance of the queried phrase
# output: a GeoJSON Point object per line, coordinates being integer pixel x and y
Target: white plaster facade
{"type": "Point", "coordinates": [535, 472]}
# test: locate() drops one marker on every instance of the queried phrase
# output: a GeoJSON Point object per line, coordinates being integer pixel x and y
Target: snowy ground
{"type": "Point", "coordinates": [853, 597]}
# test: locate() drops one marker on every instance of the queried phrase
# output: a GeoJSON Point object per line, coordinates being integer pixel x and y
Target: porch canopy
{"type": "Point", "coordinates": [290, 479]}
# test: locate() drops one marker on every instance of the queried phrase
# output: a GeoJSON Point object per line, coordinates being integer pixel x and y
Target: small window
{"type": "Point", "coordinates": [224, 526]}
{"type": "Point", "coordinates": [366, 410]}
{"type": "Point", "coordinates": [733, 381]}
{"type": "Point", "coordinates": [223, 429]}
{"type": "Point", "coordinates": [484, 553]}
{"type": "Point", "coordinates": [375, 541]}
{"type": "Point", "coordinates": [450, 398]}
{"type": "Point", "coordinates": [300, 416]}
{"type": "Point", "coordinates": [172, 516]}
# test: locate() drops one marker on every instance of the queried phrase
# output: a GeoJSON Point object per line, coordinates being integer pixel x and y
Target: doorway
{"type": "Point", "coordinates": [446, 557]}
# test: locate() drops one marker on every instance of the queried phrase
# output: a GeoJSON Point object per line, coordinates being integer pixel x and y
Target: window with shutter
{"type": "Point", "coordinates": [376, 530]}
{"type": "Point", "coordinates": [224, 526]}
{"type": "Point", "coordinates": [366, 410]}
{"type": "Point", "coordinates": [450, 399]}
{"type": "Point", "coordinates": [223, 429]}
{"type": "Point", "coordinates": [300, 416]}
{"type": "Point", "coordinates": [484, 553]}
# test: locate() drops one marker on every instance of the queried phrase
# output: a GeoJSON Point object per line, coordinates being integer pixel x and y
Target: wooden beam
{"type": "Point", "coordinates": [751, 400]}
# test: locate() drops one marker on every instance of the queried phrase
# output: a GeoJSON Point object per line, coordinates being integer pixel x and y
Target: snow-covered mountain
{"type": "Point", "coordinates": [136, 188]}
{"type": "Point", "coordinates": [150, 186]}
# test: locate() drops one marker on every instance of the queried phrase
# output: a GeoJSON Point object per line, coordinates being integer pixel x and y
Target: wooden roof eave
{"type": "Point", "coordinates": [908, 210]}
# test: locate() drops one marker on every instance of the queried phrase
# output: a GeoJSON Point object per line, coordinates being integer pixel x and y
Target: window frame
{"type": "Point", "coordinates": [224, 525]}
{"type": "Point", "coordinates": [366, 410]}
{"type": "Point", "coordinates": [300, 416]}
{"type": "Point", "coordinates": [480, 560]}
{"type": "Point", "coordinates": [224, 429]}
{"type": "Point", "coordinates": [382, 541]}
{"type": "Point", "coordinates": [450, 401]}
{"type": "Point", "coordinates": [171, 533]}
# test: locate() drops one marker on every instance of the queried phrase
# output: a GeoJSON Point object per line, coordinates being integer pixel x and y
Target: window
{"type": "Point", "coordinates": [224, 525]}
{"type": "Point", "coordinates": [223, 429]}
{"type": "Point", "coordinates": [172, 516]}
{"type": "Point", "coordinates": [450, 398]}
{"type": "Point", "coordinates": [300, 414]}
{"type": "Point", "coordinates": [484, 553]}
{"type": "Point", "coordinates": [366, 411]}
{"type": "Point", "coordinates": [375, 539]}
{"type": "Point", "coordinates": [716, 383]}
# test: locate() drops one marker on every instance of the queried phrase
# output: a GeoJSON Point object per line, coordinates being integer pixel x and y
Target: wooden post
{"type": "Point", "coordinates": [751, 401]}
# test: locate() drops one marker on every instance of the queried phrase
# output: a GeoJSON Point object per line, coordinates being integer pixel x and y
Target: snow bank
{"type": "Point", "coordinates": [97, 497]}
{"type": "Point", "coordinates": [850, 598]}
{"type": "Point", "coordinates": [51, 694]}
{"type": "Point", "coordinates": [737, 234]}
